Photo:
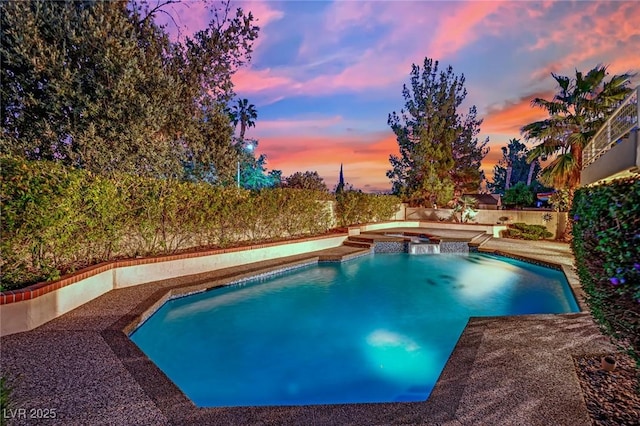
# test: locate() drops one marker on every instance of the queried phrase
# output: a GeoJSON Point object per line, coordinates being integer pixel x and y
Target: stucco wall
{"type": "Point", "coordinates": [23, 315]}
{"type": "Point", "coordinates": [556, 222]}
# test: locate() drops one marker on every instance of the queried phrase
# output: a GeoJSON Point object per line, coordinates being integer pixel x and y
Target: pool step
{"type": "Point", "coordinates": [358, 244]}
{"type": "Point", "coordinates": [360, 239]}
{"type": "Point", "coordinates": [343, 252]}
{"type": "Point", "coordinates": [479, 240]}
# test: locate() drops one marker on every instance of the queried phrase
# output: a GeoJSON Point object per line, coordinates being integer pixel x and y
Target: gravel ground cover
{"type": "Point", "coordinates": [613, 398]}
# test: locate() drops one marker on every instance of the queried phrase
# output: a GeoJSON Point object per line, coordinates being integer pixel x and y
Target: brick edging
{"type": "Point", "coordinates": [39, 289]}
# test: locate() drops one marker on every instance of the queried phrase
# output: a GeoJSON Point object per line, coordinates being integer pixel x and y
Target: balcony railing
{"type": "Point", "coordinates": [621, 122]}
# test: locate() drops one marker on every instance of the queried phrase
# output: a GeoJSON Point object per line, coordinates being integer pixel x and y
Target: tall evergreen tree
{"type": "Point", "coordinates": [340, 185]}
{"type": "Point", "coordinates": [468, 153]}
{"type": "Point", "coordinates": [439, 151]}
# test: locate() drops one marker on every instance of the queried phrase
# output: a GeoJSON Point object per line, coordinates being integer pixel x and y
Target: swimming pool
{"type": "Point", "coordinates": [379, 328]}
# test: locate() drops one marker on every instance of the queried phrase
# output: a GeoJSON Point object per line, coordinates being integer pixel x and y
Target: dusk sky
{"type": "Point", "coordinates": [325, 75]}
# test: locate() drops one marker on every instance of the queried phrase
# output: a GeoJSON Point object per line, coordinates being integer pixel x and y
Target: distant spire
{"type": "Point", "coordinates": [340, 186]}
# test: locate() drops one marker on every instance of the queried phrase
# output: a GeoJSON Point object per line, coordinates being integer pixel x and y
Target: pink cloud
{"type": "Point", "coordinates": [264, 14]}
{"type": "Point", "coordinates": [459, 28]}
{"type": "Point", "coordinates": [371, 71]}
{"type": "Point", "coordinates": [595, 35]}
{"type": "Point", "coordinates": [263, 11]}
{"type": "Point", "coordinates": [388, 61]}
{"type": "Point", "coordinates": [298, 125]}
{"type": "Point", "coordinates": [189, 17]}
{"type": "Point", "coordinates": [249, 80]}
{"type": "Point", "coordinates": [368, 72]}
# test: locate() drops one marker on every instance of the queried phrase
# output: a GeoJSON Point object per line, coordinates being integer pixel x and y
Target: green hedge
{"type": "Point", "coordinates": [522, 231]}
{"type": "Point", "coordinates": [354, 207]}
{"type": "Point", "coordinates": [56, 220]}
{"type": "Point", "coordinates": [606, 245]}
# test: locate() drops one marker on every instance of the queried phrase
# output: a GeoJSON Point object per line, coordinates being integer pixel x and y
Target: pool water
{"type": "Point", "coordinates": [379, 328]}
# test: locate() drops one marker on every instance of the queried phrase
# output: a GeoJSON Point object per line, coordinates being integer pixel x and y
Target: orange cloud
{"type": "Point", "coordinates": [492, 158]}
{"type": "Point", "coordinates": [248, 80]}
{"type": "Point", "coordinates": [509, 118]}
{"type": "Point", "coordinates": [365, 157]}
{"type": "Point", "coordinates": [504, 122]}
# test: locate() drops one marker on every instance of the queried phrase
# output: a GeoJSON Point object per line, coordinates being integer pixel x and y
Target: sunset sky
{"type": "Point", "coordinates": [325, 75]}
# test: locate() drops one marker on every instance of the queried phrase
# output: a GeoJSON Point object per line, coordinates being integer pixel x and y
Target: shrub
{"type": "Point", "coordinates": [57, 219]}
{"type": "Point", "coordinates": [519, 195]}
{"type": "Point", "coordinates": [354, 207]}
{"type": "Point", "coordinates": [559, 200]}
{"type": "Point", "coordinates": [54, 216]}
{"type": "Point", "coordinates": [606, 246]}
{"type": "Point", "coordinates": [523, 231]}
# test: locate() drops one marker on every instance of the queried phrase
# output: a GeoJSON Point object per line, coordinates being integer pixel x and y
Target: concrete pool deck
{"type": "Point", "coordinates": [507, 371]}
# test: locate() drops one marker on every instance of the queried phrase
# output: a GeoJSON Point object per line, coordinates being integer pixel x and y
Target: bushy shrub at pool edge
{"type": "Point", "coordinates": [57, 219]}
{"type": "Point", "coordinates": [355, 207]}
{"type": "Point", "coordinates": [523, 231]}
{"type": "Point", "coordinates": [606, 246]}
{"type": "Point", "coordinates": [53, 215]}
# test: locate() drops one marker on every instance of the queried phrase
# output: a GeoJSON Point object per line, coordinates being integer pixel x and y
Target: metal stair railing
{"type": "Point", "coordinates": [622, 121]}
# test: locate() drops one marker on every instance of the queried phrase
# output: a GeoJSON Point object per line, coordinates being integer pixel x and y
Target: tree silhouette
{"type": "Point", "coordinates": [513, 168]}
{"type": "Point", "coordinates": [439, 150]}
{"type": "Point", "coordinates": [340, 186]}
{"type": "Point", "coordinates": [576, 112]}
{"type": "Point", "coordinates": [306, 180]}
{"type": "Point", "coordinates": [245, 114]}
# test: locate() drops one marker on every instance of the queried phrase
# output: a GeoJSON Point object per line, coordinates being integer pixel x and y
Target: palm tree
{"type": "Point", "coordinates": [245, 114]}
{"type": "Point", "coordinates": [507, 182]}
{"type": "Point", "coordinates": [532, 167]}
{"type": "Point", "coordinates": [576, 112]}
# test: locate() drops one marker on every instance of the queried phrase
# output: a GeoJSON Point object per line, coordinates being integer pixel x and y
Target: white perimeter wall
{"type": "Point", "coordinates": [556, 225]}
{"type": "Point", "coordinates": [28, 314]}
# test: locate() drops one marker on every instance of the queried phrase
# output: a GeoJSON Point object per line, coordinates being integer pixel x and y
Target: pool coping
{"type": "Point", "coordinates": [448, 403]}
{"type": "Point", "coordinates": [205, 282]}
{"type": "Point", "coordinates": [465, 350]}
